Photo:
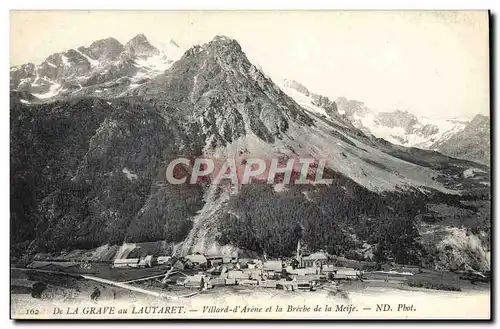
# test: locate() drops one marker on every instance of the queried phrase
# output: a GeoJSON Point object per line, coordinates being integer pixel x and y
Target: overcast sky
{"type": "Point", "coordinates": [429, 63]}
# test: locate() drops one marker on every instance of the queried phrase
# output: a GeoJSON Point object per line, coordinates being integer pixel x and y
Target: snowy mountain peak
{"type": "Point", "coordinates": [399, 127]}
{"type": "Point", "coordinates": [450, 136]}
{"type": "Point", "coordinates": [94, 69]}
{"type": "Point", "coordinates": [105, 49]}
{"type": "Point", "coordinates": [472, 142]}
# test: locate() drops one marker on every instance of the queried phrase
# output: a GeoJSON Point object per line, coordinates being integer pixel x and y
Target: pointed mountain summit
{"type": "Point", "coordinates": [105, 49]}
{"type": "Point", "coordinates": [140, 46]}
{"type": "Point", "coordinates": [215, 83]}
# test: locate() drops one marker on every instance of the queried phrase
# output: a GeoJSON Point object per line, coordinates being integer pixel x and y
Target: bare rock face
{"type": "Point", "coordinates": [105, 50]}
{"type": "Point", "coordinates": [297, 86]}
{"type": "Point", "coordinates": [329, 105]}
{"type": "Point", "coordinates": [140, 46]}
{"type": "Point", "coordinates": [402, 119]}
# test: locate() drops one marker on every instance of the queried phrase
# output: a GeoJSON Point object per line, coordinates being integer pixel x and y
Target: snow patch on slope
{"type": "Point", "coordinates": [397, 135]}
{"type": "Point", "coordinates": [171, 49]}
{"type": "Point", "coordinates": [156, 63]}
{"type": "Point", "coordinates": [150, 67]}
{"type": "Point", "coordinates": [124, 250]}
{"type": "Point", "coordinates": [54, 89]}
{"type": "Point", "coordinates": [65, 61]}
{"type": "Point", "coordinates": [93, 62]}
{"type": "Point", "coordinates": [303, 100]}
{"type": "Point", "coordinates": [130, 175]}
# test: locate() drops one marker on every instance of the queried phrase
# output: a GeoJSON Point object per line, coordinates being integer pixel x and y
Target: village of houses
{"type": "Point", "coordinates": [167, 276]}
{"type": "Point", "coordinates": [211, 271]}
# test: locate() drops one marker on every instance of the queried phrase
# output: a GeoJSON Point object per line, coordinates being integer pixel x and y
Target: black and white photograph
{"type": "Point", "coordinates": [250, 164]}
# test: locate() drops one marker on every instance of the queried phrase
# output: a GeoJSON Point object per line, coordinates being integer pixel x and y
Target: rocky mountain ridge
{"type": "Point", "coordinates": [402, 127]}
{"type": "Point", "coordinates": [104, 69]}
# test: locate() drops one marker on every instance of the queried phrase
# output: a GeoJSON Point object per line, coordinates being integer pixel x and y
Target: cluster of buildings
{"type": "Point", "coordinates": [147, 261]}
{"type": "Point", "coordinates": [209, 271]}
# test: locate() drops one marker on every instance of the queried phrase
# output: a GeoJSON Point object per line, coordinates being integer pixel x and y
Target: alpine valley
{"type": "Point", "coordinates": [93, 129]}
